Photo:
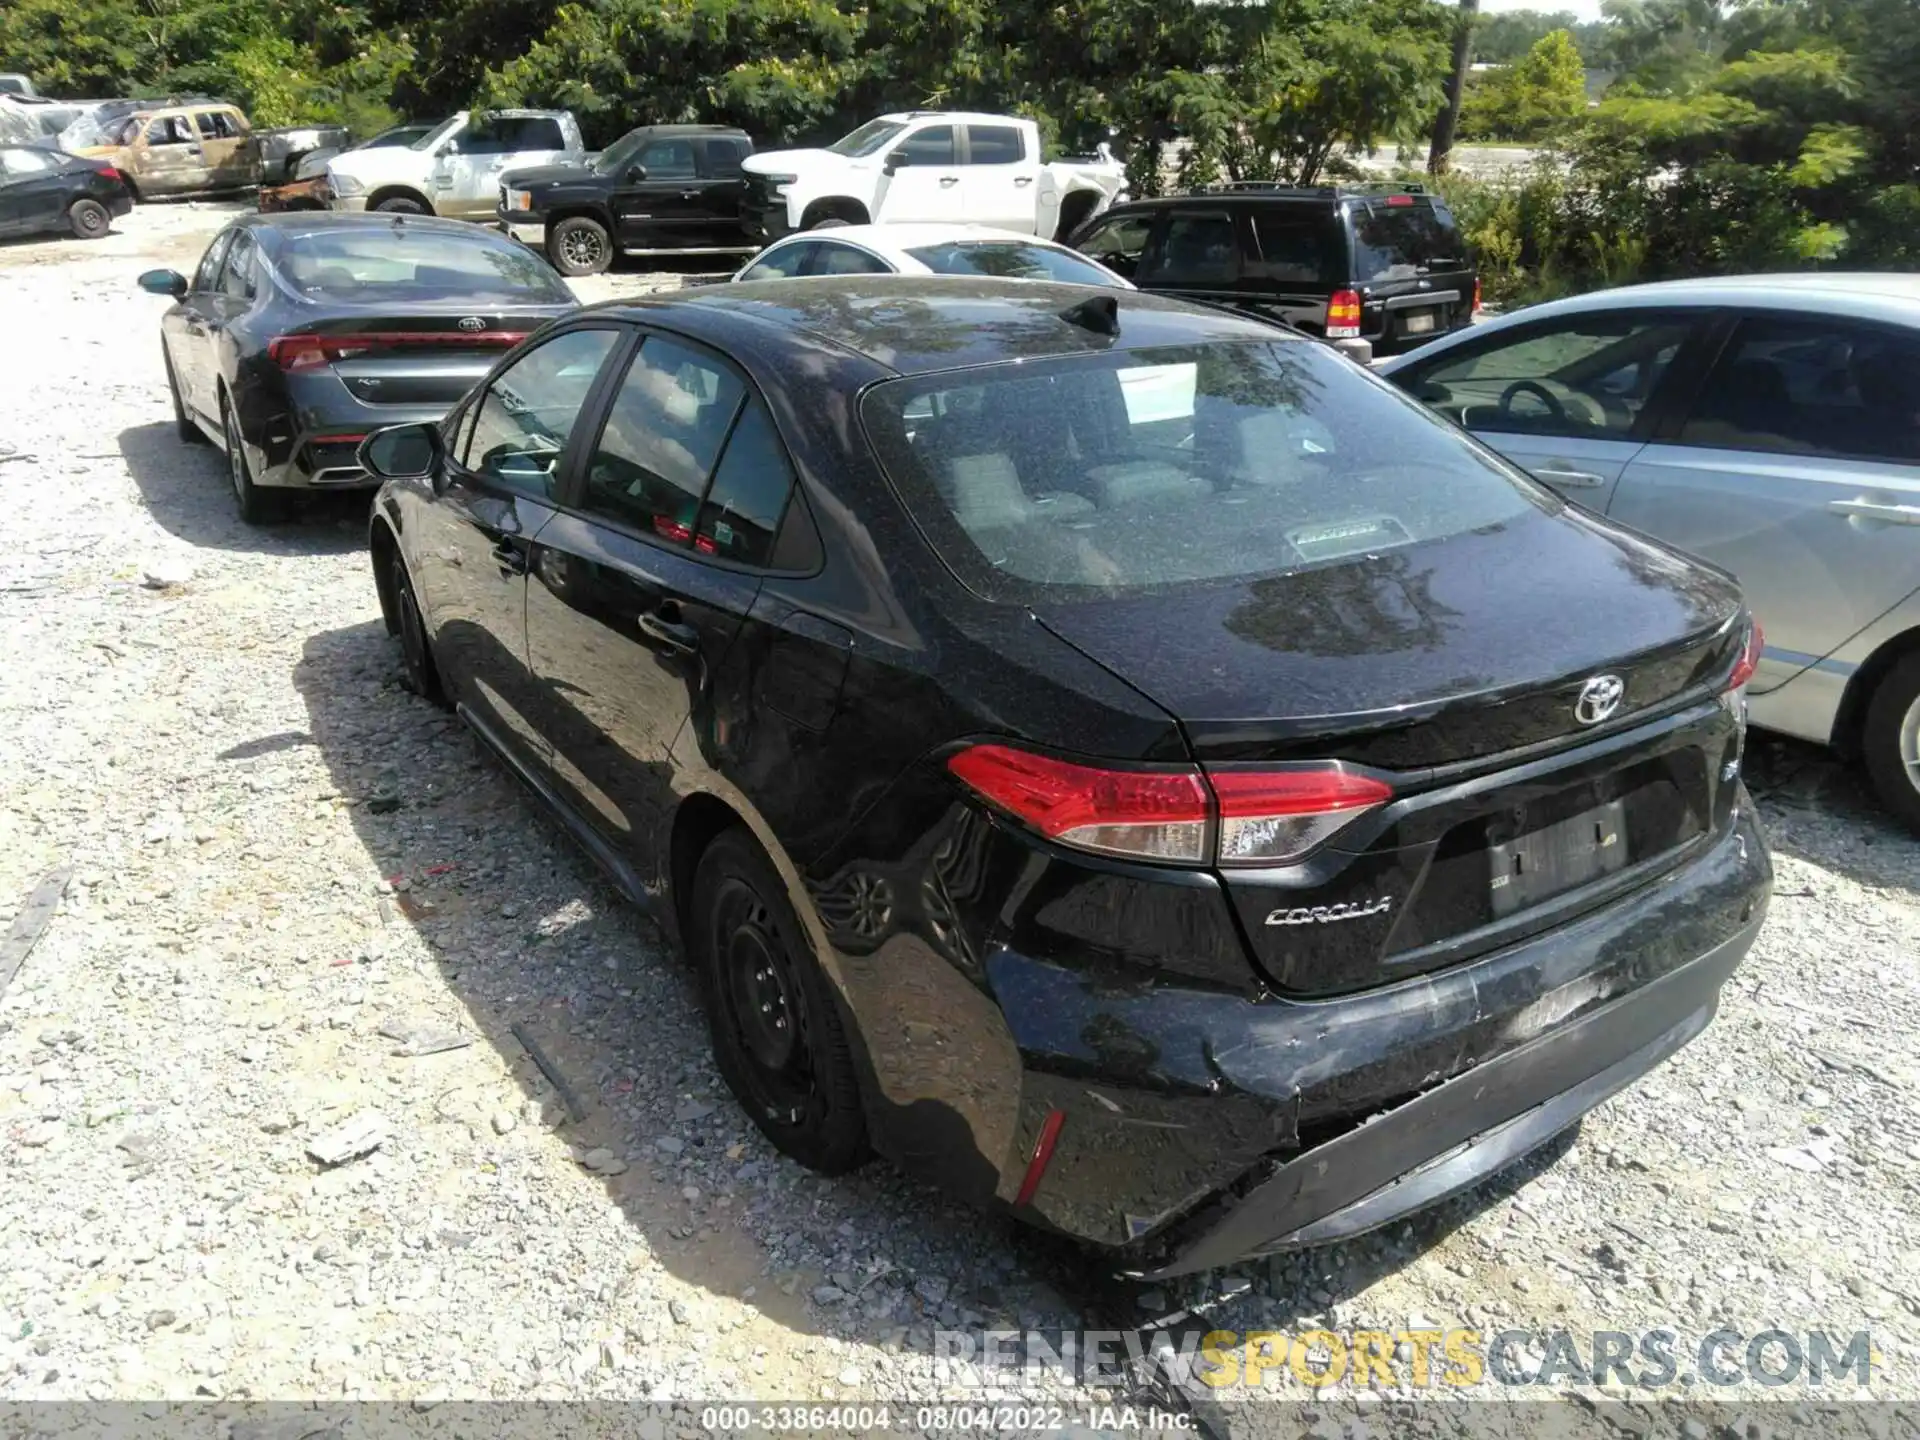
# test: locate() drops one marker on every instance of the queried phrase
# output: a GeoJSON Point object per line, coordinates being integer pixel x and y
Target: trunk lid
{"type": "Point", "coordinates": [1454, 669]}
{"type": "Point", "coordinates": [427, 355]}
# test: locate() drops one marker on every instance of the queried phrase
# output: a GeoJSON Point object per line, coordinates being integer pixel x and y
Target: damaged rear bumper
{"type": "Point", "coordinates": [1201, 1129]}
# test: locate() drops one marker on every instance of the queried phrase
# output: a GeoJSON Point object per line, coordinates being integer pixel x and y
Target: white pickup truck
{"type": "Point", "coordinates": [929, 165]}
{"type": "Point", "coordinates": [455, 169]}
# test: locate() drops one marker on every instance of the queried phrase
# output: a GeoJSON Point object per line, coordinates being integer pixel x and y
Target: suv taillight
{"type": "Point", "coordinates": [1343, 315]}
{"type": "Point", "coordinates": [1476, 294]}
{"type": "Point", "coordinates": [1176, 815]}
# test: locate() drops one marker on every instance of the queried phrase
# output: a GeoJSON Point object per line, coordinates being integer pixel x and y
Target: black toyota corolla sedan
{"type": "Point", "coordinates": [299, 334]}
{"type": "Point", "coordinates": [1111, 756]}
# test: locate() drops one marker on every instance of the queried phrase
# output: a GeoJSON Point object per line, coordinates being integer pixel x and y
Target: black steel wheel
{"type": "Point", "coordinates": [89, 219]}
{"type": "Point", "coordinates": [777, 1032]}
{"type": "Point", "coordinates": [416, 651]}
{"type": "Point", "coordinates": [579, 245]}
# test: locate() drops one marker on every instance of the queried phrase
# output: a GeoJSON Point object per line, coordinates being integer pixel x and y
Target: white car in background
{"type": "Point", "coordinates": [926, 250]}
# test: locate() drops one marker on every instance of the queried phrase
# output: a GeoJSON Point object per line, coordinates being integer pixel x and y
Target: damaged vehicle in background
{"type": "Point", "coordinates": [44, 191]}
{"type": "Point", "coordinates": [1205, 816]}
{"type": "Point", "coordinates": [305, 187]}
{"type": "Point", "coordinates": [298, 334]}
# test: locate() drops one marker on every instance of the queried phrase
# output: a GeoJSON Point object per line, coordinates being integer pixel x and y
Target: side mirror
{"type": "Point", "coordinates": [164, 282]}
{"type": "Point", "coordinates": [893, 162]}
{"type": "Point", "coordinates": [636, 172]}
{"type": "Point", "coordinates": [401, 452]}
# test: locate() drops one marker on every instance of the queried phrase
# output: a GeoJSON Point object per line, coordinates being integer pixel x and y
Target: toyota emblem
{"type": "Point", "coordinates": [473, 322]}
{"type": "Point", "coordinates": [1599, 698]}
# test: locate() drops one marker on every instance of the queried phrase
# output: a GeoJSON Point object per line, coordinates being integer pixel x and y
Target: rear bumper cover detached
{"type": "Point", "coordinates": [1201, 1128]}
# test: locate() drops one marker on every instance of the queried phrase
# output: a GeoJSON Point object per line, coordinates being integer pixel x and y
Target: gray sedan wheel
{"type": "Point", "coordinates": [1890, 741]}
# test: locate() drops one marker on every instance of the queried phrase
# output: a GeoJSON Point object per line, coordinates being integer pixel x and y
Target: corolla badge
{"type": "Point", "coordinates": [1599, 698]}
{"type": "Point", "coordinates": [1327, 914]}
{"type": "Point", "coordinates": [473, 322]}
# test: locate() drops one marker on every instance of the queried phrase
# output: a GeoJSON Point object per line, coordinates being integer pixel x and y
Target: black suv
{"type": "Point", "coordinates": [1385, 264]}
{"type": "Point", "coordinates": [658, 188]}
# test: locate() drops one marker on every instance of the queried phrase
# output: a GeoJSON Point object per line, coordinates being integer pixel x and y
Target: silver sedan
{"type": "Point", "coordinates": [1769, 423]}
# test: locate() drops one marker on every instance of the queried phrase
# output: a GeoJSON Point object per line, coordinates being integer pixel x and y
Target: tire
{"type": "Point", "coordinates": [418, 670]}
{"type": "Point", "coordinates": [580, 245]}
{"type": "Point", "coordinates": [1890, 741]}
{"type": "Point", "coordinates": [831, 222]}
{"type": "Point", "coordinates": [400, 205]}
{"type": "Point", "coordinates": [89, 219]}
{"type": "Point", "coordinates": [183, 423]}
{"type": "Point", "coordinates": [256, 505]}
{"type": "Point", "coordinates": [771, 1013]}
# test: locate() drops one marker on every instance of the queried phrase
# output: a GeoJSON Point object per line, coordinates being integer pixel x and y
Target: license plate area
{"type": "Point", "coordinates": [1540, 863]}
{"type": "Point", "coordinates": [1419, 322]}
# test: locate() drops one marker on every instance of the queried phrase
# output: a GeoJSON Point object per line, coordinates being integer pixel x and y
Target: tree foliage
{"type": "Point", "coordinates": [1536, 97]}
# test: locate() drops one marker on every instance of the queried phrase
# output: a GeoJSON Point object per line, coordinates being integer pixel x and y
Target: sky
{"type": "Point", "coordinates": [1583, 9]}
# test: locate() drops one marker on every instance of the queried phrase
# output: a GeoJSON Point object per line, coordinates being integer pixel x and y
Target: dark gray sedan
{"type": "Point", "coordinates": [300, 334]}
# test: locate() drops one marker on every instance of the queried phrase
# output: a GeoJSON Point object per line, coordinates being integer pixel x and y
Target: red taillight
{"type": "Point", "coordinates": [1476, 294]}
{"type": "Point", "coordinates": [107, 172]}
{"type": "Point", "coordinates": [1749, 660]}
{"type": "Point", "coordinates": [310, 352]}
{"type": "Point", "coordinates": [1343, 315]}
{"type": "Point", "coordinates": [1152, 814]}
{"type": "Point", "coordinates": [1399, 199]}
{"type": "Point", "coordinates": [1175, 815]}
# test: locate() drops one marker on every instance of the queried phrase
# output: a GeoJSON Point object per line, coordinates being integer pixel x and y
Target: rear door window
{"type": "Point", "coordinates": [724, 157]}
{"type": "Point", "coordinates": [1830, 388]}
{"type": "Point", "coordinates": [663, 433]}
{"type": "Point", "coordinates": [534, 132]}
{"type": "Point", "coordinates": [1198, 247]}
{"type": "Point", "coordinates": [994, 145]}
{"type": "Point", "coordinates": [1404, 241]}
{"type": "Point", "coordinates": [741, 513]}
{"type": "Point", "coordinates": [1116, 473]}
{"type": "Point", "coordinates": [1295, 246]}
{"type": "Point", "coordinates": [236, 280]}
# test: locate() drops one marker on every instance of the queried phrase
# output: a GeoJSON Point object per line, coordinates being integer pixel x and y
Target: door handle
{"type": "Point", "coordinates": [946, 180]}
{"type": "Point", "coordinates": [511, 559]}
{"type": "Point", "coordinates": [1572, 479]}
{"type": "Point", "coordinates": [680, 638]}
{"type": "Point", "coordinates": [1868, 510]}
{"type": "Point", "coordinates": [1023, 179]}
{"type": "Point", "coordinates": [689, 194]}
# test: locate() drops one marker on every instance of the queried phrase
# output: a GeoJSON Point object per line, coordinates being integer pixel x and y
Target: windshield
{"type": "Point", "coordinates": [1123, 472]}
{"type": "Point", "coordinates": [1010, 260]}
{"type": "Point", "coordinates": [403, 263]}
{"type": "Point", "coordinates": [433, 136]}
{"type": "Point", "coordinates": [868, 138]}
{"type": "Point", "coordinates": [1401, 242]}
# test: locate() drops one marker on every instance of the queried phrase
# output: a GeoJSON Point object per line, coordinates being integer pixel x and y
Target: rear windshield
{"type": "Point", "coordinates": [389, 263]}
{"type": "Point", "coordinates": [1402, 242]}
{"type": "Point", "coordinates": [1010, 260]}
{"type": "Point", "coordinates": [1116, 473]}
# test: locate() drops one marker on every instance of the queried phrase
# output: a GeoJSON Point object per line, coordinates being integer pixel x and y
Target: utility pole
{"type": "Point", "coordinates": [1449, 118]}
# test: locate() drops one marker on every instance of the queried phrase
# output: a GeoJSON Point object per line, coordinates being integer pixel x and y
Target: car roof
{"type": "Point", "coordinates": [687, 130]}
{"type": "Point", "coordinates": [292, 224]}
{"type": "Point", "coordinates": [1858, 295]}
{"type": "Point", "coordinates": [894, 239]}
{"type": "Point", "coordinates": [914, 324]}
{"type": "Point", "coordinates": [964, 117]}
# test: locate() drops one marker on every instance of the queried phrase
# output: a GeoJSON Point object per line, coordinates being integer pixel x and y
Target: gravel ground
{"type": "Point", "coordinates": [290, 875]}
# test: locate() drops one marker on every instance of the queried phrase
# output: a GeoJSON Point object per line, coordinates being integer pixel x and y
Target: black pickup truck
{"type": "Point", "coordinates": [661, 188]}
